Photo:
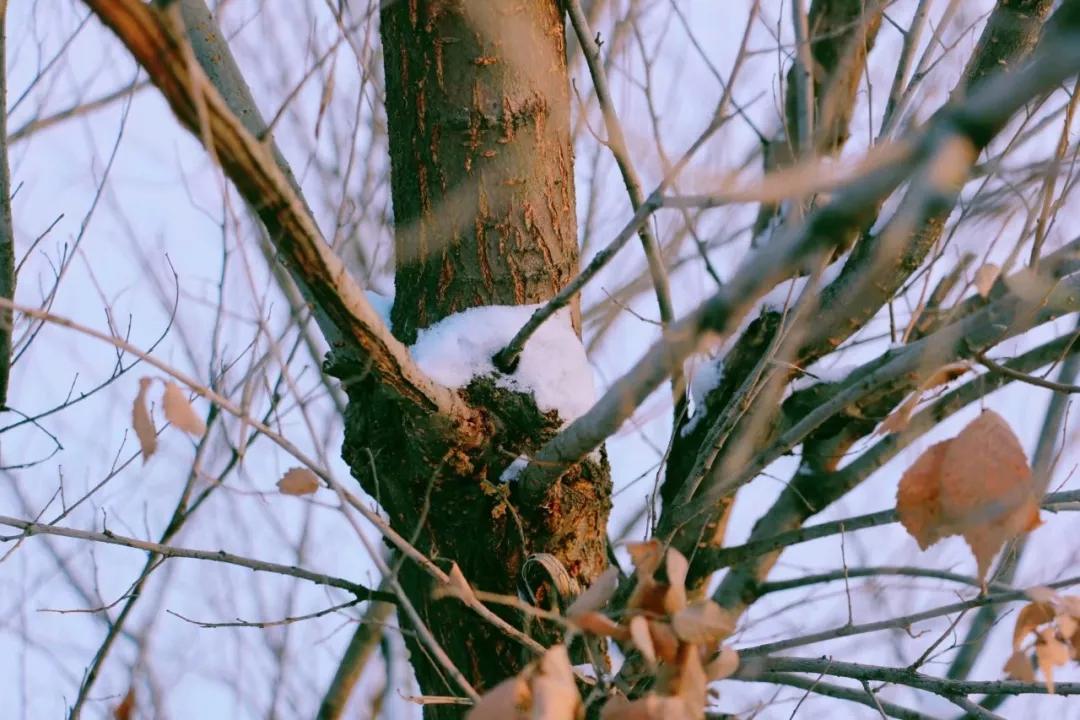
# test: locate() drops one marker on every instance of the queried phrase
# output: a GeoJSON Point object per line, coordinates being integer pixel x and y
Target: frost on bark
{"type": "Point", "coordinates": [483, 196]}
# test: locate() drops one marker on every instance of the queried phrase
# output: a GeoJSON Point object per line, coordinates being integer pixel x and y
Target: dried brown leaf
{"type": "Point", "coordinates": [599, 624]}
{"type": "Point", "coordinates": [298, 481]}
{"type": "Point", "coordinates": [142, 423]}
{"type": "Point", "coordinates": [126, 709]}
{"type": "Point", "coordinates": [598, 594]}
{"type": "Point", "coordinates": [664, 640]}
{"type": "Point", "coordinates": [509, 700]}
{"type": "Point", "coordinates": [649, 707]}
{"type": "Point", "coordinates": [703, 622]}
{"type": "Point", "coordinates": [1067, 626]}
{"type": "Point", "coordinates": [179, 412]}
{"type": "Point", "coordinates": [1018, 667]}
{"type": "Point", "coordinates": [898, 419]}
{"type": "Point", "coordinates": [985, 277]}
{"type": "Point", "coordinates": [691, 684]}
{"type": "Point", "coordinates": [1030, 617]}
{"type": "Point", "coordinates": [1050, 653]}
{"type": "Point", "coordinates": [918, 497]}
{"type": "Point", "coordinates": [677, 568]}
{"type": "Point", "coordinates": [649, 596]}
{"type": "Point", "coordinates": [944, 374]}
{"type": "Point", "coordinates": [459, 584]}
{"type": "Point", "coordinates": [642, 638]}
{"type": "Point", "coordinates": [977, 485]}
{"type": "Point", "coordinates": [554, 692]}
{"type": "Point", "coordinates": [723, 665]}
{"type": "Point", "coordinates": [646, 556]}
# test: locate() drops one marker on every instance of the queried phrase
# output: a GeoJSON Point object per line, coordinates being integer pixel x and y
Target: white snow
{"type": "Point", "coordinates": [553, 366]}
{"type": "Point", "coordinates": [706, 371]}
{"type": "Point", "coordinates": [382, 304]}
{"type": "Point", "coordinates": [829, 373]}
{"type": "Point", "coordinates": [515, 468]}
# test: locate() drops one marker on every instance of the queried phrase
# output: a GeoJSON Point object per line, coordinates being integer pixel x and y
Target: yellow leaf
{"type": "Point", "coordinates": [702, 622]}
{"type": "Point", "coordinates": [142, 423]}
{"type": "Point", "coordinates": [298, 481]}
{"type": "Point", "coordinates": [985, 277]}
{"type": "Point", "coordinates": [179, 412]}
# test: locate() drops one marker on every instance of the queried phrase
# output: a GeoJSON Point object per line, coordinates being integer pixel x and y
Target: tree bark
{"type": "Point", "coordinates": [482, 163]}
{"type": "Point", "coordinates": [483, 196]}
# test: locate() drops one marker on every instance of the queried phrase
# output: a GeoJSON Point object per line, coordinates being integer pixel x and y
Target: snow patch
{"type": "Point", "coordinates": [706, 371]}
{"type": "Point", "coordinates": [553, 366]}
{"type": "Point", "coordinates": [382, 305]}
{"type": "Point", "coordinates": [510, 474]}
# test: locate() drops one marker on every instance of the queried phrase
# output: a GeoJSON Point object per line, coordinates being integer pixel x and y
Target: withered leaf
{"type": "Point", "coordinates": [649, 707]}
{"type": "Point", "coordinates": [554, 692]}
{"type": "Point", "coordinates": [1018, 667]}
{"type": "Point", "coordinates": [598, 594]}
{"type": "Point", "coordinates": [509, 700]}
{"type": "Point", "coordinates": [677, 568]}
{"type": "Point", "coordinates": [179, 412]}
{"type": "Point", "coordinates": [1050, 653]}
{"type": "Point", "coordinates": [918, 497]}
{"type": "Point", "coordinates": [599, 624]}
{"type": "Point", "coordinates": [723, 665]}
{"type": "Point", "coordinates": [977, 485]}
{"type": "Point", "coordinates": [985, 277]}
{"type": "Point", "coordinates": [1030, 617]}
{"type": "Point", "coordinates": [298, 481]}
{"type": "Point", "coordinates": [141, 421]}
{"type": "Point", "coordinates": [646, 556]}
{"type": "Point", "coordinates": [665, 642]}
{"type": "Point", "coordinates": [642, 638]}
{"type": "Point", "coordinates": [702, 622]}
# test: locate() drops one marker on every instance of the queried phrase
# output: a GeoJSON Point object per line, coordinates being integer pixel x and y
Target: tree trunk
{"type": "Point", "coordinates": [483, 195]}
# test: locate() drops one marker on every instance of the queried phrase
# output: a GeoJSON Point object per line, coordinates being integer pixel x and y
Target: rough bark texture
{"type": "Point", "coordinates": [482, 164]}
{"type": "Point", "coordinates": [483, 196]}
